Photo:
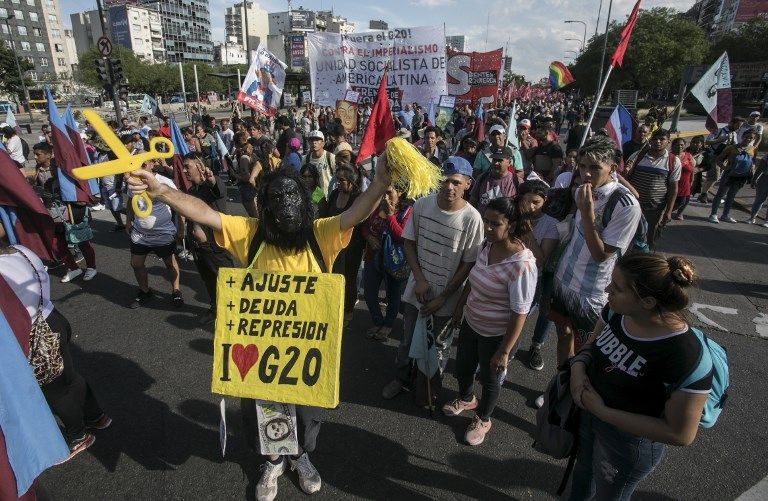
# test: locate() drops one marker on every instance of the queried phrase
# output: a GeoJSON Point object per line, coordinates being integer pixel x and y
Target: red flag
{"type": "Point", "coordinates": [22, 213]}
{"type": "Point", "coordinates": [626, 34]}
{"type": "Point", "coordinates": [380, 128]}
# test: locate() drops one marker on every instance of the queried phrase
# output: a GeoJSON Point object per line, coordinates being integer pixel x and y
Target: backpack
{"type": "Point", "coordinates": [314, 246]}
{"type": "Point", "coordinates": [639, 241]}
{"type": "Point", "coordinates": [393, 255]}
{"type": "Point", "coordinates": [742, 167]}
{"type": "Point", "coordinates": [557, 423]}
{"type": "Point", "coordinates": [24, 148]}
{"type": "Point", "coordinates": [713, 358]}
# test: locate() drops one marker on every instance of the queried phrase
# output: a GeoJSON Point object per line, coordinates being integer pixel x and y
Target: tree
{"type": "Point", "coordinates": [10, 83]}
{"type": "Point", "coordinates": [663, 43]}
{"type": "Point", "coordinates": [510, 77]}
{"type": "Point", "coordinates": [744, 44]}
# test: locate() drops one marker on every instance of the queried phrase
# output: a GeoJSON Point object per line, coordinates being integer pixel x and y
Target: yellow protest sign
{"type": "Point", "coordinates": [278, 336]}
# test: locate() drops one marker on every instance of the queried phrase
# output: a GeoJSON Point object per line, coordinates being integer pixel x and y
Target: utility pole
{"type": "Point", "coordinates": [246, 44]}
{"type": "Point", "coordinates": [115, 96]}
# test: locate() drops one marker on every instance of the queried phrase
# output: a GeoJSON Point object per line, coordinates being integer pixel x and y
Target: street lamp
{"type": "Point", "coordinates": [584, 37]}
{"type": "Point", "coordinates": [575, 40]}
{"type": "Point", "coordinates": [18, 66]}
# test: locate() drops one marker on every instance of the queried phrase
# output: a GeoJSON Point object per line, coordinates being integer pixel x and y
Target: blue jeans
{"type": "Point", "coordinates": [610, 463]}
{"type": "Point", "coordinates": [732, 185]}
{"type": "Point", "coordinates": [761, 195]}
{"type": "Point", "coordinates": [372, 278]}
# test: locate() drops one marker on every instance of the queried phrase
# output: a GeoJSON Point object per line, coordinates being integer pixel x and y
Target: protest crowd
{"type": "Point", "coordinates": [529, 223]}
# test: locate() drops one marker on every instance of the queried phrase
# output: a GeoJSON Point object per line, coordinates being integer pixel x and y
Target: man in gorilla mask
{"type": "Point", "coordinates": [287, 236]}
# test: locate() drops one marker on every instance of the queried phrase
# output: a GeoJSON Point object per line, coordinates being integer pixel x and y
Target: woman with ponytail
{"type": "Point", "coordinates": [495, 304]}
{"type": "Point", "coordinates": [628, 377]}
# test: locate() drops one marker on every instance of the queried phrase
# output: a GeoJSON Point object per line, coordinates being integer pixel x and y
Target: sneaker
{"type": "Point", "coordinates": [764, 225]}
{"type": "Point", "coordinates": [266, 489]}
{"type": "Point", "coordinates": [142, 298]}
{"type": "Point", "coordinates": [713, 219]}
{"type": "Point", "coordinates": [89, 274]}
{"type": "Point", "coordinates": [703, 198]}
{"type": "Point", "coordinates": [176, 299]}
{"type": "Point", "coordinates": [98, 207]}
{"type": "Point", "coordinates": [309, 478]}
{"type": "Point", "coordinates": [71, 274]}
{"type": "Point", "coordinates": [79, 445]}
{"type": "Point", "coordinates": [539, 402]}
{"type": "Point", "coordinates": [457, 406]}
{"type": "Point", "coordinates": [392, 389]}
{"type": "Point", "coordinates": [100, 424]}
{"type": "Point", "coordinates": [730, 220]}
{"type": "Point", "coordinates": [208, 318]}
{"type": "Point", "coordinates": [477, 430]}
{"type": "Point", "coordinates": [751, 221]}
{"type": "Point", "coordinates": [535, 361]}
{"type": "Point", "coordinates": [679, 217]}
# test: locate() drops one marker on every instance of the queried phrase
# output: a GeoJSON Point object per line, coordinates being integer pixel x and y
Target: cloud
{"type": "Point", "coordinates": [434, 3]}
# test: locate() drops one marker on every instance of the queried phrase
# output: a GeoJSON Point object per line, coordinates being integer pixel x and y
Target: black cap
{"type": "Point", "coordinates": [502, 152]}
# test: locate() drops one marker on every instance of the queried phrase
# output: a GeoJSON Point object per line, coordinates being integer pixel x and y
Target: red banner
{"type": "Point", "coordinates": [474, 75]}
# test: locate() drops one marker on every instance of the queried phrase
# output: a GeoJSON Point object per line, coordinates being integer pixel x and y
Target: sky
{"type": "Point", "coordinates": [533, 31]}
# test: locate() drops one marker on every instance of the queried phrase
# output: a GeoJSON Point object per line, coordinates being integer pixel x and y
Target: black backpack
{"type": "Point", "coordinates": [25, 148]}
{"type": "Point", "coordinates": [314, 246]}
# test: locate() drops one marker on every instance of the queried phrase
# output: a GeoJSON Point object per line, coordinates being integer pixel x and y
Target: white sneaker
{"type": "Point", "coordinates": [309, 478]}
{"type": "Point", "coordinates": [266, 489]}
{"type": "Point", "coordinates": [764, 225]}
{"type": "Point", "coordinates": [539, 402]}
{"type": "Point", "coordinates": [89, 274]}
{"type": "Point", "coordinates": [713, 219]}
{"type": "Point", "coordinates": [730, 220]}
{"type": "Point", "coordinates": [68, 276]}
{"type": "Point", "coordinates": [751, 221]}
{"type": "Point", "coordinates": [98, 207]}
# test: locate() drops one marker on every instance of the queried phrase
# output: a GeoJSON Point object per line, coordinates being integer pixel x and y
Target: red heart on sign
{"type": "Point", "coordinates": [244, 357]}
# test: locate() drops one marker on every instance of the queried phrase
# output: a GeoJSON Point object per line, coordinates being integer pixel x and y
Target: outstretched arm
{"type": "Point", "coordinates": [190, 207]}
{"type": "Point", "coordinates": [369, 199]}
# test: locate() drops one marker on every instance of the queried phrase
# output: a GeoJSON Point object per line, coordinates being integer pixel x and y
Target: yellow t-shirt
{"type": "Point", "coordinates": [238, 231]}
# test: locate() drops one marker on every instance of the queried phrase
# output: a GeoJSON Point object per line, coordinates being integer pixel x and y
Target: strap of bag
{"type": "Point", "coordinates": [567, 473]}
{"type": "Point", "coordinates": [39, 281]}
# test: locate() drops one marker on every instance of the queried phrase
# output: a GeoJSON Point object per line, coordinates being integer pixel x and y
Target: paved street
{"type": "Point", "coordinates": [151, 369]}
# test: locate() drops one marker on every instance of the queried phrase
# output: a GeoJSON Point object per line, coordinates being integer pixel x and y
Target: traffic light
{"type": "Point", "coordinates": [117, 70]}
{"type": "Point", "coordinates": [101, 70]}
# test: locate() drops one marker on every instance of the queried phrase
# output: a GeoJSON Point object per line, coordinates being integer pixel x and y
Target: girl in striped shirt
{"type": "Point", "coordinates": [495, 303]}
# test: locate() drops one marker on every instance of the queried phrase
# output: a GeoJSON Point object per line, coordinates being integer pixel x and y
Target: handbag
{"type": "Point", "coordinates": [393, 255]}
{"type": "Point", "coordinates": [44, 344]}
{"type": "Point", "coordinates": [80, 232]}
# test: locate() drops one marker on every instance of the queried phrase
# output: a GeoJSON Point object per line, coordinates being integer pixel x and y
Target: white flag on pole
{"type": "Point", "coordinates": [713, 91]}
{"type": "Point", "coordinates": [264, 82]}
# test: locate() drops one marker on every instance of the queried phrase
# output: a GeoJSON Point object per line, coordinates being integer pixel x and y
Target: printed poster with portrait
{"type": "Point", "coordinates": [264, 82]}
{"type": "Point", "coordinates": [347, 113]}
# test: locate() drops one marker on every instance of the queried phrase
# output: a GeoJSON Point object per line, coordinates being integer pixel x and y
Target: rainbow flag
{"type": "Point", "coordinates": [559, 76]}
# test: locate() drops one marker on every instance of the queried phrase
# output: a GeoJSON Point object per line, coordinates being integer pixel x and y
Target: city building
{"type": "Point", "coordinates": [377, 25]}
{"type": "Point", "coordinates": [455, 42]}
{"type": "Point", "coordinates": [295, 20]}
{"type": "Point", "coordinates": [134, 27]}
{"type": "Point", "coordinates": [24, 27]}
{"type": "Point", "coordinates": [717, 17]}
{"type": "Point", "coordinates": [70, 49]}
{"type": "Point", "coordinates": [230, 52]}
{"type": "Point", "coordinates": [62, 66]}
{"type": "Point", "coordinates": [186, 28]}
{"type": "Point", "coordinates": [258, 24]}
{"type": "Point", "coordinates": [331, 23]}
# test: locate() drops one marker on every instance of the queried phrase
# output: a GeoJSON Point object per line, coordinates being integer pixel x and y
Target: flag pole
{"type": "Point", "coordinates": [594, 106]}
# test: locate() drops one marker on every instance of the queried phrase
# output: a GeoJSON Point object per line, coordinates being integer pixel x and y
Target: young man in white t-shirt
{"type": "Point", "coordinates": [587, 262]}
{"type": "Point", "coordinates": [442, 238]}
{"type": "Point", "coordinates": [156, 233]}
{"type": "Point", "coordinates": [325, 161]}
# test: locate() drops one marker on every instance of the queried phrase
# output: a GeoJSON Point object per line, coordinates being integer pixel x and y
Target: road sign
{"type": "Point", "coordinates": [105, 46]}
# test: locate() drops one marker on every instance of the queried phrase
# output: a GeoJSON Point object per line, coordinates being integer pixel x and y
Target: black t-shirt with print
{"type": "Point", "coordinates": [632, 374]}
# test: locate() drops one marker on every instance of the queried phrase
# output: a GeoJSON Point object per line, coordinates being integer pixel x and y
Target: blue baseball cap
{"type": "Point", "coordinates": [457, 165]}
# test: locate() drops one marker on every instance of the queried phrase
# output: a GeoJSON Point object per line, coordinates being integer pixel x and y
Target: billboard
{"type": "Point", "coordinates": [297, 51]}
{"type": "Point", "coordinates": [415, 58]}
{"type": "Point", "coordinates": [119, 26]}
{"type": "Point", "coordinates": [302, 20]}
{"type": "Point", "coordinates": [474, 75]}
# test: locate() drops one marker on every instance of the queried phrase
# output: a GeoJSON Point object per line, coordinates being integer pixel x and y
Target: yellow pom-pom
{"type": "Point", "coordinates": [411, 172]}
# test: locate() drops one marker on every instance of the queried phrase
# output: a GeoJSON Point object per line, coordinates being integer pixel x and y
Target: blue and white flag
{"type": "Point", "coordinates": [620, 126]}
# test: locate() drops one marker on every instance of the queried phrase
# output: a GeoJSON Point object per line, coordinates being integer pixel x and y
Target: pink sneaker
{"type": "Point", "coordinates": [456, 407]}
{"type": "Point", "coordinates": [477, 430]}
